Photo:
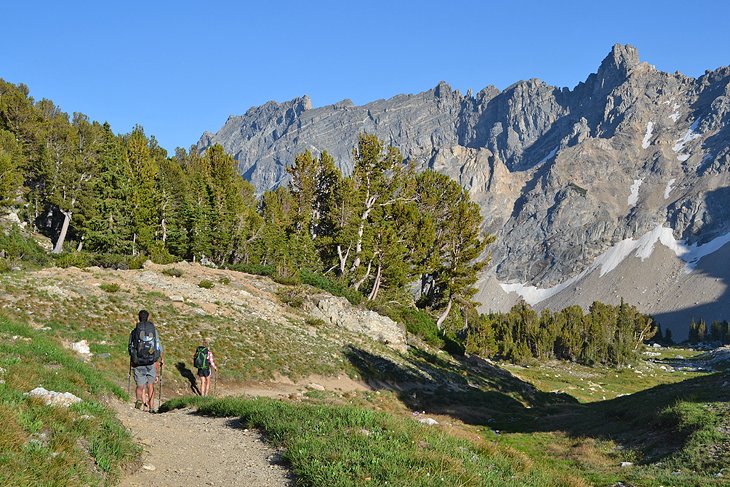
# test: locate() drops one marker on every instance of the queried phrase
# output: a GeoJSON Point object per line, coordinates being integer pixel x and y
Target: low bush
{"type": "Point", "coordinates": [137, 261]}
{"type": "Point", "coordinates": [256, 269]}
{"type": "Point", "coordinates": [314, 322]}
{"type": "Point", "coordinates": [109, 287]}
{"type": "Point", "coordinates": [74, 259]}
{"type": "Point", "coordinates": [105, 261]}
{"type": "Point", "coordinates": [287, 280]}
{"type": "Point", "coordinates": [292, 297]}
{"type": "Point", "coordinates": [111, 261]}
{"type": "Point", "coordinates": [225, 280]}
{"type": "Point", "coordinates": [160, 255]}
{"type": "Point", "coordinates": [206, 284]}
{"type": "Point", "coordinates": [416, 321]}
{"type": "Point", "coordinates": [15, 246]}
{"type": "Point", "coordinates": [172, 272]}
{"type": "Point", "coordinates": [332, 286]}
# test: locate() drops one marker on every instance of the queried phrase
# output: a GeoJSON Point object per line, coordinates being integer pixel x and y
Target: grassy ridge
{"type": "Point", "coordinates": [347, 445]}
{"type": "Point", "coordinates": [44, 445]}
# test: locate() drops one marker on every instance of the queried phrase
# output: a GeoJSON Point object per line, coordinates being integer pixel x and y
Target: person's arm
{"type": "Point", "coordinates": [160, 348]}
{"type": "Point", "coordinates": [212, 362]}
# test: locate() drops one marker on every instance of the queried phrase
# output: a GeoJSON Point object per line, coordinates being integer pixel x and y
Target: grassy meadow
{"type": "Point", "coordinates": [554, 423]}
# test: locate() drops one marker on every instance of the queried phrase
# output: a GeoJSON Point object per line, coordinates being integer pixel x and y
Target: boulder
{"type": "Point", "coordinates": [340, 312]}
{"type": "Point", "coordinates": [53, 398]}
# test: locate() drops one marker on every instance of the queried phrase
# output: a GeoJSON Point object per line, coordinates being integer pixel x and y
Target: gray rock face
{"type": "Point", "coordinates": [560, 174]}
{"type": "Point", "coordinates": [338, 311]}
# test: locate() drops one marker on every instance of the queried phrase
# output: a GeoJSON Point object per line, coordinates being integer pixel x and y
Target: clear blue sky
{"type": "Point", "coordinates": [179, 68]}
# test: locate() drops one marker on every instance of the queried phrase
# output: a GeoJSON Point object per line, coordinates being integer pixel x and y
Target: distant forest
{"type": "Point", "coordinates": [397, 238]}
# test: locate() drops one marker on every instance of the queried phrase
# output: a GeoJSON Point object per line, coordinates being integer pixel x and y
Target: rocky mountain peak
{"type": "Point", "coordinates": [622, 59]}
{"type": "Point", "coordinates": [561, 175]}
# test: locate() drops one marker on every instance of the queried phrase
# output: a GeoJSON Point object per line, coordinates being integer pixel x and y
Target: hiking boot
{"type": "Point", "coordinates": [138, 404]}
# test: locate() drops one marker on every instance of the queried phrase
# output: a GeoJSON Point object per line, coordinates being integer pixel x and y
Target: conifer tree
{"type": "Point", "coordinates": [11, 161]}
{"type": "Point", "coordinates": [145, 200]}
{"type": "Point", "coordinates": [107, 222]}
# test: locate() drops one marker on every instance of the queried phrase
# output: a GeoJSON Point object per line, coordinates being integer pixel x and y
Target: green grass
{"type": "Point", "coordinates": [43, 445]}
{"type": "Point", "coordinates": [588, 384]}
{"type": "Point", "coordinates": [109, 287]}
{"type": "Point", "coordinates": [676, 434]}
{"type": "Point", "coordinates": [348, 445]}
{"type": "Point", "coordinates": [551, 416]}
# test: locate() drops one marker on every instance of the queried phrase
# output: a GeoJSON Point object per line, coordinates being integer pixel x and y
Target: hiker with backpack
{"type": "Point", "coordinates": [203, 361]}
{"type": "Point", "coordinates": [145, 358]}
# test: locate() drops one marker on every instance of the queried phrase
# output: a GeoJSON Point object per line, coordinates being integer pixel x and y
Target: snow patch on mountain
{"type": "Point", "coordinates": [688, 137]}
{"type": "Point", "coordinates": [669, 188]}
{"type": "Point", "coordinates": [647, 136]}
{"type": "Point", "coordinates": [609, 260]}
{"type": "Point", "coordinates": [634, 195]}
{"type": "Point", "coordinates": [675, 116]}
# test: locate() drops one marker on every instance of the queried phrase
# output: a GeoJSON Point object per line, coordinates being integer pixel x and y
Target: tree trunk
{"type": "Point", "coordinates": [164, 230]}
{"type": "Point", "coordinates": [443, 316]}
{"type": "Point", "coordinates": [343, 259]}
{"type": "Point", "coordinates": [81, 244]}
{"type": "Point", "coordinates": [376, 285]}
{"type": "Point", "coordinates": [369, 202]}
{"type": "Point", "coordinates": [367, 274]}
{"type": "Point", "coordinates": [64, 229]}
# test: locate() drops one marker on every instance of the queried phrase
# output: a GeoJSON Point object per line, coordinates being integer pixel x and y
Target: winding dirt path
{"type": "Point", "coordinates": [182, 448]}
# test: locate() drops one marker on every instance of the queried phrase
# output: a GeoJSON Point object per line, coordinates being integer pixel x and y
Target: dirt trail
{"type": "Point", "coordinates": [182, 448]}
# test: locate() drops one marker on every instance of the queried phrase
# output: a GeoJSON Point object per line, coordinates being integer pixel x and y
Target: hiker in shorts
{"type": "Point", "coordinates": [203, 361]}
{"type": "Point", "coordinates": [145, 358]}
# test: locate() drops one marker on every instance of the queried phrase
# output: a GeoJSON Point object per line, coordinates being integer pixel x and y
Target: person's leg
{"type": "Point", "coordinates": [150, 395]}
{"type": "Point", "coordinates": [140, 381]}
{"type": "Point", "coordinates": [151, 371]}
{"type": "Point", "coordinates": [206, 385]}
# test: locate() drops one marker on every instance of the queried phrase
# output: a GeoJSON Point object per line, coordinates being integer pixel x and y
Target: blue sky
{"type": "Point", "coordinates": [179, 68]}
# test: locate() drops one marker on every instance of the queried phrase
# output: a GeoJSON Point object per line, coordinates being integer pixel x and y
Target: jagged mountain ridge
{"type": "Point", "coordinates": [561, 174]}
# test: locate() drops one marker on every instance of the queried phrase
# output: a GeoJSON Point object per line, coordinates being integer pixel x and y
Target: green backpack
{"type": "Point", "coordinates": [200, 361]}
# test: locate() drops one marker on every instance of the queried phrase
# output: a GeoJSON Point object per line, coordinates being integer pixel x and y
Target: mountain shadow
{"type": "Point", "coordinates": [712, 267]}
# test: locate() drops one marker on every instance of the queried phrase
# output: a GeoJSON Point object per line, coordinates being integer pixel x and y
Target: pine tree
{"type": "Point", "coordinates": [11, 161]}
{"type": "Point", "coordinates": [107, 222]}
{"type": "Point", "coordinates": [145, 200]}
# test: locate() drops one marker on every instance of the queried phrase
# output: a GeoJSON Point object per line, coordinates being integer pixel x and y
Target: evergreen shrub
{"type": "Point", "coordinates": [206, 284]}
{"type": "Point", "coordinates": [332, 286]}
{"type": "Point", "coordinates": [16, 246]}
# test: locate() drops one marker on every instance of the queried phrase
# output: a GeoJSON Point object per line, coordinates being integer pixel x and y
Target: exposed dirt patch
{"type": "Point", "coordinates": [182, 448]}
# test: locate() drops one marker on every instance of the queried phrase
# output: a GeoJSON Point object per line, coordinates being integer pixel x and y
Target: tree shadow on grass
{"type": "Point", "coordinates": [477, 392]}
{"type": "Point", "coordinates": [470, 389]}
{"type": "Point", "coordinates": [188, 374]}
{"type": "Point", "coordinates": [643, 421]}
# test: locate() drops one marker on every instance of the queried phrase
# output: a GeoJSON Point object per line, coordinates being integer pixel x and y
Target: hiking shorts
{"type": "Point", "coordinates": [204, 372]}
{"type": "Point", "coordinates": [144, 374]}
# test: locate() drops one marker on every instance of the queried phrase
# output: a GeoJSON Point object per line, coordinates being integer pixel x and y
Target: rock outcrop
{"type": "Point", "coordinates": [338, 311]}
